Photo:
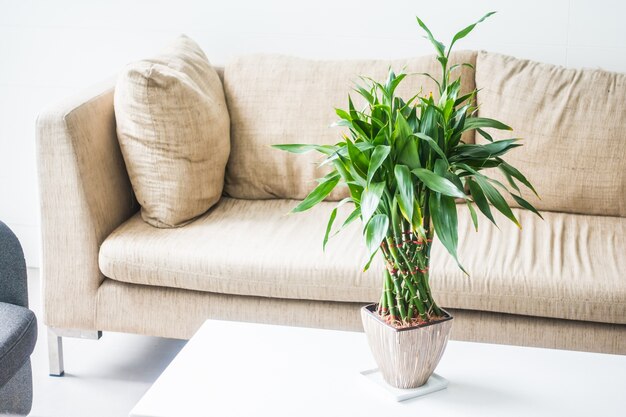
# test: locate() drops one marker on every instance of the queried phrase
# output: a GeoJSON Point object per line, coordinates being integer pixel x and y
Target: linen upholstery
{"type": "Point", "coordinates": [278, 99]}
{"type": "Point", "coordinates": [173, 128]}
{"type": "Point", "coordinates": [177, 313]}
{"type": "Point", "coordinates": [247, 247]}
{"type": "Point", "coordinates": [567, 266]}
{"type": "Point", "coordinates": [574, 127]}
{"type": "Point", "coordinates": [252, 248]}
{"type": "Point", "coordinates": [84, 194]}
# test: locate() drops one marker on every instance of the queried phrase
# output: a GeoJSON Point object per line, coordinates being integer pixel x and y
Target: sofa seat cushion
{"type": "Point", "coordinates": [245, 247]}
{"type": "Point", "coordinates": [18, 334]}
{"type": "Point", "coordinates": [568, 266]}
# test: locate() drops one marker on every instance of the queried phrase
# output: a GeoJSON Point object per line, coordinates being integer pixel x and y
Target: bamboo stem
{"type": "Point", "coordinates": [415, 297]}
{"type": "Point", "coordinates": [389, 295]}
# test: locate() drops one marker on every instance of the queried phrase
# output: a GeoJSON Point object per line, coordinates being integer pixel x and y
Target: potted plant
{"type": "Point", "coordinates": [406, 168]}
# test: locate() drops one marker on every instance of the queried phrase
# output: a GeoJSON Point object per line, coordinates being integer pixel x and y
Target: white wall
{"type": "Point", "coordinates": [50, 49]}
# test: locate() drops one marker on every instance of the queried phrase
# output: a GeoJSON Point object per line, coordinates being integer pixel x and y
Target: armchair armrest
{"type": "Point", "coordinates": [85, 193]}
{"type": "Point", "coordinates": [13, 286]}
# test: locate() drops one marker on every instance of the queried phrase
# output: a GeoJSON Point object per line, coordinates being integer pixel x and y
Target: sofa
{"type": "Point", "coordinates": [18, 328]}
{"type": "Point", "coordinates": [557, 283]}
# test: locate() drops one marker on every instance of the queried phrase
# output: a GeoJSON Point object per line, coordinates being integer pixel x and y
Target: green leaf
{"type": "Point", "coordinates": [462, 99]}
{"type": "Point", "coordinates": [303, 148]}
{"type": "Point", "coordinates": [417, 221]}
{"type": "Point", "coordinates": [480, 122]}
{"type": "Point", "coordinates": [358, 160]}
{"type": "Point", "coordinates": [318, 194]}
{"type": "Point", "coordinates": [509, 179]}
{"type": "Point", "coordinates": [431, 77]}
{"type": "Point", "coordinates": [447, 109]}
{"type": "Point", "coordinates": [375, 232]}
{"type": "Point", "coordinates": [409, 154]}
{"type": "Point", "coordinates": [496, 199]}
{"type": "Point", "coordinates": [453, 178]}
{"type": "Point", "coordinates": [526, 205]}
{"type": "Point", "coordinates": [329, 226]}
{"type": "Point", "coordinates": [444, 216]}
{"type": "Point", "coordinates": [331, 220]}
{"type": "Point", "coordinates": [343, 114]}
{"type": "Point", "coordinates": [369, 261]}
{"type": "Point", "coordinates": [381, 136]}
{"type": "Point", "coordinates": [480, 199]}
{"type": "Point", "coordinates": [370, 199]}
{"type": "Point", "coordinates": [380, 153]}
{"type": "Point", "coordinates": [438, 184]}
{"type": "Point", "coordinates": [351, 109]}
{"type": "Point", "coordinates": [356, 192]}
{"type": "Point", "coordinates": [431, 142]}
{"type": "Point", "coordinates": [463, 33]}
{"type": "Point", "coordinates": [402, 128]}
{"type": "Point", "coordinates": [429, 125]}
{"type": "Point", "coordinates": [438, 45]}
{"type": "Point", "coordinates": [340, 167]}
{"type": "Point", "coordinates": [463, 64]}
{"type": "Point", "coordinates": [351, 218]}
{"type": "Point", "coordinates": [443, 60]}
{"type": "Point", "coordinates": [517, 175]}
{"type": "Point", "coordinates": [392, 84]}
{"type": "Point", "coordinates": [473, 214]}
{"type": "Point", "coordinates": [485, 135]}
{"type": "Point", "coordinates": [365, 94]}
{"type": "Point", "coordinates": [440, 168]}
{"type": "Point", "coordinates": [489, 150]}
{"type": "Point", "coordinates": [453, 90]}
{"type": "Point", "coordinates": [363, 128]}
{"type": "Point", "coordinates": [405, 190]}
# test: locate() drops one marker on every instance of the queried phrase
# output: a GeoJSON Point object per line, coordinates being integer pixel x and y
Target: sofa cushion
{"type": "Point", "coordinates": [278, 99]}
{"type": "Point", "coordinates": [18, 334]}
{"type": "Point", "coordinates": [568, 266]}
{"type": "Point", "coordinates": [573, 123]}
{"type": "Point", "coordinates": [173, 128]}
{"type": "Point", "coordinates": [244, 247]}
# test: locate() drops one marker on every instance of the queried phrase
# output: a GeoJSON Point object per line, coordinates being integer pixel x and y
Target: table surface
{"type": "Point", "coordinates": [243, 369]}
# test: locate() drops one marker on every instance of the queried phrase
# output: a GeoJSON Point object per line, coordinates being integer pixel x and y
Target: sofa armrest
{"type": "Point", "coordinates": [13, 286]}
{"type": "Point", "coordinates": [85, 193]}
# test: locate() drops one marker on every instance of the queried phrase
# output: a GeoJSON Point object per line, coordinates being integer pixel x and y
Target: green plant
{"type": "Point", "coordinates": [405, 164]}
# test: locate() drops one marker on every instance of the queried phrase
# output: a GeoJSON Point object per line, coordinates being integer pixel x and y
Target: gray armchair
{"type": "Point", "coordinates": [18, 328]}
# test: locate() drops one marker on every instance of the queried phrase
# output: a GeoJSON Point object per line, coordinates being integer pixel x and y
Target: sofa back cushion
{"type": "Point", "coordinates": [278, 99]}
{"type": "Point", "coordinates": [573, 123]}
{"type": "Point", "coordinates": [173, 128]}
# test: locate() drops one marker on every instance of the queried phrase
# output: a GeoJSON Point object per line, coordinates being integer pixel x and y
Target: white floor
{"type": "Point", "coordinates": [102, 378]}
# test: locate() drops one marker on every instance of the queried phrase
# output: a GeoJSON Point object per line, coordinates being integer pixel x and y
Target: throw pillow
{"type": "Point", "coordinates": [174, 132]}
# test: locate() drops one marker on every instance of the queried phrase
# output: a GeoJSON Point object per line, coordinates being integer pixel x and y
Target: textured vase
{"type": "Point", "coordinates": [406, 357]}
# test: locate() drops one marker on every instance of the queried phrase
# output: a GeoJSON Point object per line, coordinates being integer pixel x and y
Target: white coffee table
{"type": "Point", "coordinates": [241, 369]}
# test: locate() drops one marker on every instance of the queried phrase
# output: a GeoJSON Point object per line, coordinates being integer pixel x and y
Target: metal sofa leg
{"type": "Point", "coordinates": [55, 346]}
{"type": "Point", "coordinates": [55, 353]}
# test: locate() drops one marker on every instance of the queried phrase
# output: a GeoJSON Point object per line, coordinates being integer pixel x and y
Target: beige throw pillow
{"type": "Point", "coordinates": [573, 122]}
{"type": "Point", "coordinates": [174, 133]}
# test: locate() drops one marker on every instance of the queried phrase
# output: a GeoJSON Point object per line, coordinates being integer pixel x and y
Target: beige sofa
{"type": "Point", "coordinates": [557, 283]}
